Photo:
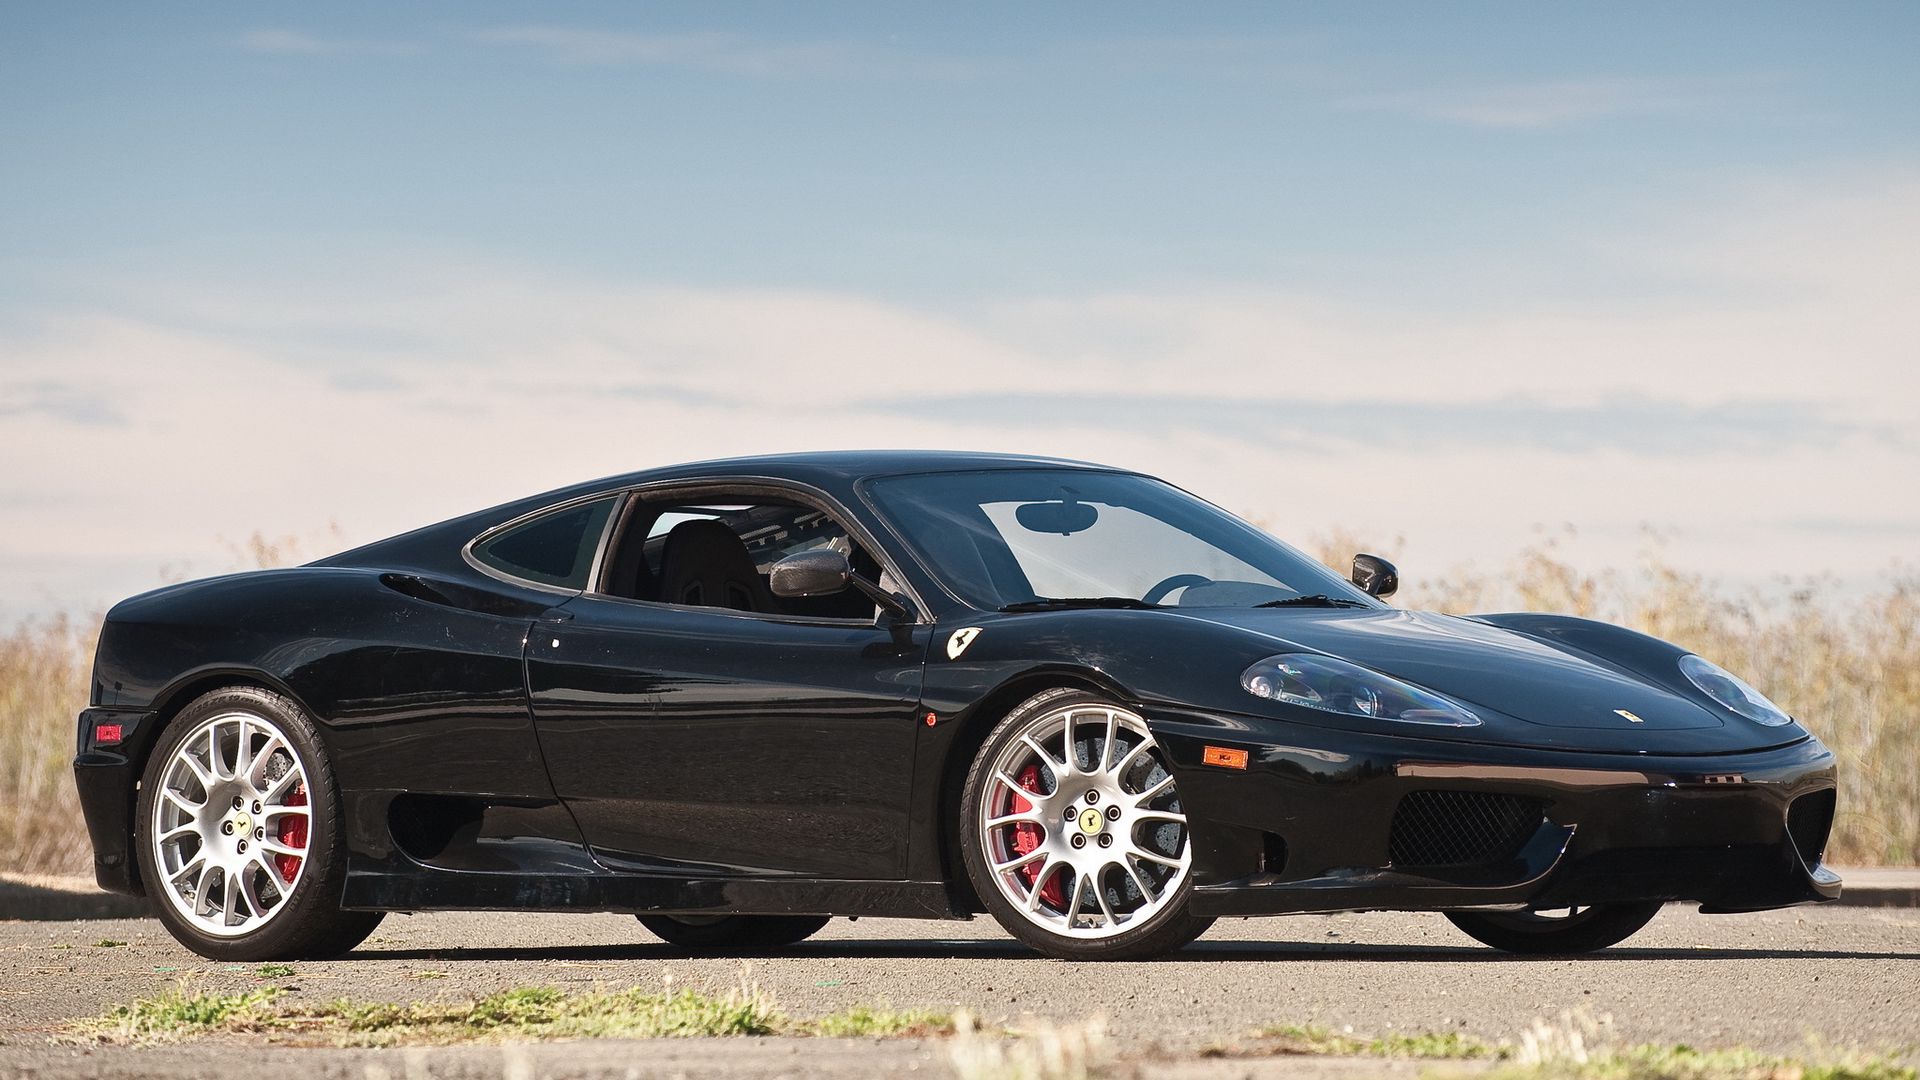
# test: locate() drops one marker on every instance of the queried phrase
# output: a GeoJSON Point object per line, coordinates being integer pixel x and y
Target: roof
{"type": "Point", "coordinates": [849, 465]}
{"type": "Point", "coordinates": [834, 471]}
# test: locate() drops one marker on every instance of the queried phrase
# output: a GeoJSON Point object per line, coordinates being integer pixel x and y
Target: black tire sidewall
{"type": "Point", "coordinates": [310, 921]}
{"type": "Point", "coordinates": [1169, 929]}
{"type": "Point", "coordinates": [735, 931]}
{"type": "Point", "coordinates": [1602, 926]}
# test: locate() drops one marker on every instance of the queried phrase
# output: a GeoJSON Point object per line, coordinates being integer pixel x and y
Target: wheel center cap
{"type": "Point", "coordinates": [242, 823]}
{"type": "Point", "coordinates": [1091, 821]}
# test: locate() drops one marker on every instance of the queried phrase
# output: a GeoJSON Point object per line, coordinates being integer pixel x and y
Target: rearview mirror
{"type": "Point", "coordinates": [823, 572]}
{"type": "Point", "coordinates": [1065, 518]}
{"type": "Point", "coordinates": [820, 572]}
{"type": "Point", "coordinates": [1375, 575]}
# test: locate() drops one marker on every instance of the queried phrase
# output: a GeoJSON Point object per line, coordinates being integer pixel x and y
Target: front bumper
{"type": "Point", "coordinates": [1316, 818]}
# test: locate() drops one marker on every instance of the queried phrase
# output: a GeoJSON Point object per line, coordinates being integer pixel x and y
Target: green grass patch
{"type": "Point", "coordinates": [544, 1012]}
{"type": "Point", "coordinates": [1313, 1039]}
{"type": "Point", "coordinates": [273, 971]}
{"type": "Point", "coordinates": [523, 1013]}
{"type": "Point", "coordinates": [1687, 1063]}
{"type": "Point", "coordinates": [880, 1022]}
{"type": "Point", "coordinates": [179, 1012]}
{"type": "Point", "coordinates": [1570, 1051]}
{"type": "Point", "coordinates": [108, 943]}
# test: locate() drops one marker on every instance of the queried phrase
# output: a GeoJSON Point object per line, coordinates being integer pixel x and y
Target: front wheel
{"type": "Point", "coordinates": [1567, 930]}
{"type": "Point", "coordinates": [1074, 835]}
{"type": "Point", "coordinates": [239, 833]}
{"type": "Point", "coordinates": [733, 931]}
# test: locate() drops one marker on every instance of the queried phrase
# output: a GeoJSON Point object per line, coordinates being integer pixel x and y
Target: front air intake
{"type": "Point", "coordinates": [1460, 828]}
{"type": "Point", "coordinates": [1809, 820]}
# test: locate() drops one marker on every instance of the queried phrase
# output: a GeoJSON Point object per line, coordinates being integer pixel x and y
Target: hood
{"type": "Point", "coordinates": [1526, 689]}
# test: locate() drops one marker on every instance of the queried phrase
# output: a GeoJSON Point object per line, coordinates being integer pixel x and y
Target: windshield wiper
{"type": "Point", "coordinates": [1061, 603]}
{"type": "Point", "coordinates": [1314, 600]}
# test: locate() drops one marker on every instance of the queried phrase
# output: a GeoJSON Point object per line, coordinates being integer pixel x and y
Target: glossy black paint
{"type": "Point", "coordinates": [678, 755]}
{"type": "Point", "coordinates": [504, 745]}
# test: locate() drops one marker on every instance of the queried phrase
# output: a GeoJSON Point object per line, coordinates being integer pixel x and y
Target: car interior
{"type": "Point", "coordinates": [719, 552]}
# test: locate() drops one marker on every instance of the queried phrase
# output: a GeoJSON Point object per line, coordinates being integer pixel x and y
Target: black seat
{"type": "Point", "coordinates": [704, 564]}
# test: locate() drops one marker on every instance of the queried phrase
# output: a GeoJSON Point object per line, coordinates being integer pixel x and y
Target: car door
{"type": "Point", "coordinates": [692, 739]}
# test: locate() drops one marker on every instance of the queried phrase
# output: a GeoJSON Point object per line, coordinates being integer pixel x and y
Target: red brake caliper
{"type": "Point", "coordinates": [1027, 836]}
{"type": "Point", "coordinates": [293, 833]}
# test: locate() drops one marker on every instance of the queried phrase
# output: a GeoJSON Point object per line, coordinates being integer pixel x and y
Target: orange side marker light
{"type": "Point", "coordinates": [1224, 756]}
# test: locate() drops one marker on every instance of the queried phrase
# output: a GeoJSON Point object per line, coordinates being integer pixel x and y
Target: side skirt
{"type": "Point", "coordinates": [401, 887]}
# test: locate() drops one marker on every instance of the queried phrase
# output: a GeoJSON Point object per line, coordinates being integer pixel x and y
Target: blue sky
{"type": "Point", "coordinates": [1610, 267]}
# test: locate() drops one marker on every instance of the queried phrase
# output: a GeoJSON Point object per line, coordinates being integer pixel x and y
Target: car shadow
{"type": "Point", "coordinates": [1214, 952]}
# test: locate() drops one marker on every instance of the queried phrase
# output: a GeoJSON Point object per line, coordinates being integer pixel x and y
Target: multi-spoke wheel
{"type": "Point", "coordinates": [1565, 930]}
{"type": "Point", "coordinates": [237, 835]}
{"type": "Point", "coordinates": [1074, 833]}
{"type": "Point", "coordinates": [230, 823]}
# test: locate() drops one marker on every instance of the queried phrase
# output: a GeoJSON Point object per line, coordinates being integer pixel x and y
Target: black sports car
{"type": "Point", "coordinates": [741, 697]}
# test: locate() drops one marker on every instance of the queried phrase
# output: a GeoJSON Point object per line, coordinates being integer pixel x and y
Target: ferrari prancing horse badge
{"type": "Point", "coordinates": [961, 638]}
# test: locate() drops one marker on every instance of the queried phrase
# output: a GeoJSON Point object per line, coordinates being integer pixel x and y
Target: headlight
{"type": "Point", "coordinates": [1321, 682]}
{"type": "Point", "coordinates": [1732, 691]}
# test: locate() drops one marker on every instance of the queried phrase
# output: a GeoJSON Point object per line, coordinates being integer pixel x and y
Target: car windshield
{"type": "Point", "coordinates": [1014, 538]}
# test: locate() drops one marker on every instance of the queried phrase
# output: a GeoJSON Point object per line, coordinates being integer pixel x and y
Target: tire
{"type": "Point", "coordinates": [279, 882]}
{"type": "Point", "coordinates": [1583, 930]}
{"type": "Point", "coordinates": [1116, 823]}
{"type": "Point", "coordinates": [733, 931]}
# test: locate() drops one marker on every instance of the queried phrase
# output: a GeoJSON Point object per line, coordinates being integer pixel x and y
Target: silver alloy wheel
{"type": "Point", "coordinates": [1081, 825]}
{"type": "Point", "coordinates": [231, 824]}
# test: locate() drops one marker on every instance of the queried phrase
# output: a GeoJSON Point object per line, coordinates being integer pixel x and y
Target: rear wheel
{"type": "Point", "coordinates": [1566, 930]}
{"type": "Point", "coordinates": [733, 931]}
{"type": "Point", "coordinates": [1073, 832]}
{"type": "Point", "coordinates": [239, 833]}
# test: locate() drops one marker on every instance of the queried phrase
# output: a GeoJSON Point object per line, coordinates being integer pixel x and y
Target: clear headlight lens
{"type": "Point", "coordinates": [1321, 682]}
{"type": "Point", "coordinates": [1732, 691]}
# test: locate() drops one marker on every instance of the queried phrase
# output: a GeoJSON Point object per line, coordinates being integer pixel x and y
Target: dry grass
{"type": "Point", "coordinates": [1850, 670]}
{"type": "Point", "coordinates": [44, 667]}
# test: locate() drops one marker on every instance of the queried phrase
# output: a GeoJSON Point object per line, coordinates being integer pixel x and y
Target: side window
{"type": "Point", "coordinates": [556, 548]}
{"type": "Point", "coordinates": [719, 552]}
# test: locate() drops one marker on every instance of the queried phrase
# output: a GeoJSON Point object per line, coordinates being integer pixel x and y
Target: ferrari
{"type": "Point", "coordinates": [740, 698]}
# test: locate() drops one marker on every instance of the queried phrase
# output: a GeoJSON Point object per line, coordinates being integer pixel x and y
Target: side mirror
{"type": "Point", "coordinates": [823, 572]}
{"type": "Point", "coordinates": [820, 572]}
{"type": "Point", "coordinates": [1375, 575]}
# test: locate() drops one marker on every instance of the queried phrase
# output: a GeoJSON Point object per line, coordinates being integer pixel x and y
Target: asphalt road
{"type": "Point", "coordinates": [1838, 977]}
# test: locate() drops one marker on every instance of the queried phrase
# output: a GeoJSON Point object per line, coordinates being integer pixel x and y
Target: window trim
{"type": "Point", "coordinates": [753, 485]}
{"type": "Point", "coordinates": [695, 486]}
{"type": "Point", "coordinates": [620, 498]}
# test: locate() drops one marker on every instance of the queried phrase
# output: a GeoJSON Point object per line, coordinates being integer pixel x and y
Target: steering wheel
{"type": "Point", "coordinates": [1177, 581]}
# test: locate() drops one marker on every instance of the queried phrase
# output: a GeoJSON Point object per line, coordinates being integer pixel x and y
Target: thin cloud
{"type": "Point", "coordinates": [1559, 102]}
{"type": "Point", "coordinates": [281, 42]}
{"type": "Point", "coordinates": [1626, 424]}
{"type": "Point", "coordinates": [63, 402]}
{"type": "Point", "coordinates": [731, 54]}
{"type": "Point", "coordinates": [1713, 413]}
